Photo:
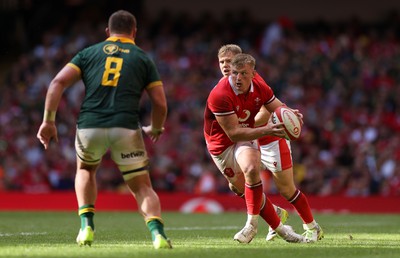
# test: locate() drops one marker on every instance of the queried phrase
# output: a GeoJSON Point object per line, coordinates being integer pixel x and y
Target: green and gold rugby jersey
{"type": "Point", "coordinates": [115, 73]}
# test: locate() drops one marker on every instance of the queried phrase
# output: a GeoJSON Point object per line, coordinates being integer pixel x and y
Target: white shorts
{"type": "Point", "coordinates": [126, 146]}
{"type": "Point", "coordinates": [276, 156]}
{"type": "Point", "coordinates": [227, 161]}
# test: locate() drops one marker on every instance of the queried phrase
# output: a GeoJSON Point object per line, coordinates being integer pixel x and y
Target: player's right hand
{"type": "Point", "coordinates": [277, 129]}
{"type": "Point", "coordinates": [47, 131]}
{"type": "Point", "coordinates": [152, 133]}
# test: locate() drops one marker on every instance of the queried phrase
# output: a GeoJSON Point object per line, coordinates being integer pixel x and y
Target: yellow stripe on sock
{"type": "Point", "coordinates": [154, 218]}
{"type": "Point", "coordinates": [84, 210]}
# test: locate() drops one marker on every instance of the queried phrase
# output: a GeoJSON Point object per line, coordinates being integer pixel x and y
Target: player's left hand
{"type": "Point", "coordinates": [299, 115]}
{"type": "Point", "coordinates": [47, 131]}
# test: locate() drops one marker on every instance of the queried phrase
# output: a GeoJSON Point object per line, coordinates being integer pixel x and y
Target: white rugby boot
{"type": "Point", "coordinates": [246, 234]}
{"type": "Point", "coordinates": [313, 233]}
{"type": "Point", "coordinates": [287, 233]}
{"type": "Point", "coordinates": [283, 215]}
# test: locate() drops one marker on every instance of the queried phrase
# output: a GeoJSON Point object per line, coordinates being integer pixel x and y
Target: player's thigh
{"type": "Point", "coordinates": [90, 145]}
{"type": "Point", "coordinates": [227, 165]}
{"type": "Point", "coordinates": [276, 156]}
{"type": "Point", "coordinates": [129, 152]}
{"type": "Point", "coordinates": [247, 156]}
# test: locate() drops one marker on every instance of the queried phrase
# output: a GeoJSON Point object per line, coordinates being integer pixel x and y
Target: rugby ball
{"type": "Point", "coordinates": [290, 121]}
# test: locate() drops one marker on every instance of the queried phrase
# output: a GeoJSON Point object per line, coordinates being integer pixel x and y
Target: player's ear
{"type": "Point", "coordinates": [107, 32]}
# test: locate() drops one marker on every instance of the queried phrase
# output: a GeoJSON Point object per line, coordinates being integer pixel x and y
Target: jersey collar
{"type": "Point", "coordinates": [121, 39]}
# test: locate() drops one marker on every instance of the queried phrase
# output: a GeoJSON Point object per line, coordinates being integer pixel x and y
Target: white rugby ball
{"type": "Point", "coordinates": [290, 121]}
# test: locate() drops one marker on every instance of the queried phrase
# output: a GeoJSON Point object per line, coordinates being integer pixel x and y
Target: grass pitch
{"type": "Point", "coordinates": [123, 234]}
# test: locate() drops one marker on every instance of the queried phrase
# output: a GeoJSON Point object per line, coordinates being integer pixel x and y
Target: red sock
{"type": "Point", "coordinates": [269, 215]}
{"type": "Point", "coordinates": [253, 196]}
{"type": "Point", "coordinates": [300, 203]}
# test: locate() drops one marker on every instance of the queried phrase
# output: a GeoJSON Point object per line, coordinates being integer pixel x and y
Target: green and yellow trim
{"type": "Point", "coordinates": [75, 67]}
{"type": "Point", "coordinates": [86, 208]}
{"type": "Point", "coordinates": [121, 39]}
{"type": "Point", "coordinates": [151, 218]}
{"type": "Point", "coordinates": [154, 84]}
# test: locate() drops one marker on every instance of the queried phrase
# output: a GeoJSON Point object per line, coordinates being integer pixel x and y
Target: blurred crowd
{"type": "Point", "coordinates": [344, 78]}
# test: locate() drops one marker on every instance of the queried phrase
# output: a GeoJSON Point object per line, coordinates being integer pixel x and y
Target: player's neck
{"type": "Point", "coordinates": [122, 36]}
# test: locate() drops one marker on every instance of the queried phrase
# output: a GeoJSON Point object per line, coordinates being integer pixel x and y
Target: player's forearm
{"type": "Point", "coordinates": [248, 134]}
{"type": "Point", "coordinates": [65, 78]}
{"type": "Point", "coordinates": [53, 97]}
{"type": "Point", "coordinates": [158, 116]}
{"type": "Point", "coordinates": [261, 118]}
{"type": "Point", "coordinates": [158, 107]}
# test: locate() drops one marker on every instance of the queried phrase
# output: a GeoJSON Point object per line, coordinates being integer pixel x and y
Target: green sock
{"type": "Point", "coordinates": [156, 227]}
{"type": "Point", "coordinates": [86, 212]}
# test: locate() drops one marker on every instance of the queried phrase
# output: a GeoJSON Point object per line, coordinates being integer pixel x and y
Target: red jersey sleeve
{"type": "Point", "coordinates": [219, 103]}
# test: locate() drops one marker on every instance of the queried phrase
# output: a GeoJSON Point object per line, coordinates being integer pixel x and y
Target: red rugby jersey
{"type": "Point", "coordinates": [225, 100]}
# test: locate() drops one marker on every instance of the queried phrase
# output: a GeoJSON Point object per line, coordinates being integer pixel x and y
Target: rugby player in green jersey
{"type": "Point", "coordinates": [115, 73]}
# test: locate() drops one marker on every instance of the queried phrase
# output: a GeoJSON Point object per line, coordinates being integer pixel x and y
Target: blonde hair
{"type": "Point", "coordinates": [234, 49]}
{"type": "Point", "coordinates": [241, 60]}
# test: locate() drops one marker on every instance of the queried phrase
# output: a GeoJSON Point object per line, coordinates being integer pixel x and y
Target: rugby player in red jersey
{"type": "Point", "coordinates": [230, 133]}
{"type": "Point", "coordinates": [276, 157]}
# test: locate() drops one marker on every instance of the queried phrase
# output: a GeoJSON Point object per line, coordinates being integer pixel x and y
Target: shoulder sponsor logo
{"type": "Point", "coordinates": [110, 49]}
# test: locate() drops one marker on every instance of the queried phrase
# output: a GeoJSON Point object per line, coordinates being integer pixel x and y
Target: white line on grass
{"type": "Point", "coordinates": [203, 228]}
{"type": "Point", "coordinates": [22, 234]}
{"type": "Point", "coordinates": [362, 223]}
